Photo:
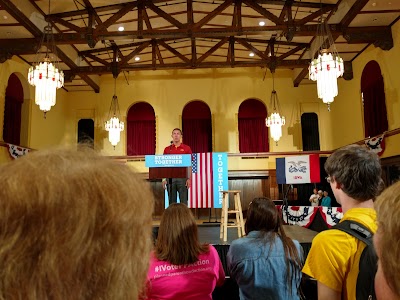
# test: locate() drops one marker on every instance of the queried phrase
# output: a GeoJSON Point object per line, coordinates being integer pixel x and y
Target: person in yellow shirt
{"type": "Point", "coordinates": [355, 178]}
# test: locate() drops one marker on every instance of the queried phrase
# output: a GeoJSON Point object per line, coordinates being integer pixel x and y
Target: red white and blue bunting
{"type": "Point", "coordinates": [376, 144]}
{"type": "Point", "coordinates": [331, 215]}
{"type": "Point", "coordinates": [299, 215]}
{"type": "Point", "coordinates": [17, 151]}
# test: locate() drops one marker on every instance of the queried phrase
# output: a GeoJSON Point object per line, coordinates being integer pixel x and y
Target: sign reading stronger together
{"type": "Point", "coordinates": [170, 160]}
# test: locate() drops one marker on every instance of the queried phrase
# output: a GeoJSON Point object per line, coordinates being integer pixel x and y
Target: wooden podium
{"type": "Point", "coordinates": [170, 172]}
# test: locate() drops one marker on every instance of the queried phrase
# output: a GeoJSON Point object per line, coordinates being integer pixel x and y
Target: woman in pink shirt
{"type": "Point", "coordinates": [180, 267]}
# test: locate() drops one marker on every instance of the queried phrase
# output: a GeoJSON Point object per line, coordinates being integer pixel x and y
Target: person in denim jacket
{"type": "Point", "coordinates": [265, 264]}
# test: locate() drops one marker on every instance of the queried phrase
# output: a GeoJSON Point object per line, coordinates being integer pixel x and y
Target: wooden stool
{"type": "Point", "coordinates": [225, 212]}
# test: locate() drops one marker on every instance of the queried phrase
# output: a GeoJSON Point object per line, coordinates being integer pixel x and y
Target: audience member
{"type": "Point", "coordinates": [73, 225]}
{"type": "Point", "coordinates": [355, 178]}
{"type": "Point", "coordinates": [180, 267]}
{"type": "Point", "coordinates": [266, 264]}
{"type": "Point", "coordinates": [326, 200]}
{"type": "Point", "coordinates": [387, 279]}
{"type": "Point", "coordinates": [314, 198]}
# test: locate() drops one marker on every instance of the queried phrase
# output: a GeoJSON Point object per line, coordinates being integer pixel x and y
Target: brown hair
{"type": "Point", "coordinates": [387, 206]}
{"type": "Point", "coordinates": [73, 225]}
{"type": "Point", "coordinates": [178, 241]}
{"type": "Point", "coordinates": [357, 170]}
{"type": "Point", "coordinates": [263, 216]}
{"type": "Point", "coordinates": [178, 130]}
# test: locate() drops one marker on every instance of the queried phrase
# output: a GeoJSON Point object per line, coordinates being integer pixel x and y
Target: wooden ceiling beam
{"type": "Point", "coordinates": [173, 51]}
{"type": "Point", "coordinates": [212, 49]}
{"type": "Point", "coordinates": [352, 13]}
{"type": "Point", "coordinates": [300, 77]}
{"type": "Point", "coordinates": [264, 12]}
{"type": "Point", "coordinates": [213, 14]}
{"type": "Point", "coordinates": [164, 15]}
{"type": "Point", "coordinates": [135, 52]}
{"type": "Point", "coordinates": [118, 15]}
{"type": "Point", "coordinates": [96, 70]}
{"type": "Point", "coordinates": [314, 15]}
{"type": "Point", "coordinates": [244, 43]}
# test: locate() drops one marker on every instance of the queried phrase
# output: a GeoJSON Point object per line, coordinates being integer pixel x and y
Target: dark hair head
{"type": "Point", "coordinates": [178, 241]}
{"type": "Point", "coordinates": [178, 130]}
{"type": "Point", "coordinates": [357, 170]}
{"type": "Point", "coordinates": [262, 215]}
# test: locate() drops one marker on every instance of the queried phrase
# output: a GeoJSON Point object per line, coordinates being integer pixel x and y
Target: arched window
{"type": "Point", "coordinates": [141, 130]}
{"type": "Point", "coordinates": [373, 94]}
{"type": "Point", "coordinates": [86, 132]}
{"type": "Point", "coordinates": [310, 131]}
{"type": "Point", "coordinates": [196, 126]}
{"type": "Point", "coordinates": [253, 133]}
{"type": "Point", "coordinates": [12, 110]}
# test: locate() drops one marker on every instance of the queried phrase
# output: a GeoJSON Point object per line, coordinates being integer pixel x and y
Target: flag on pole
{"type": "Point", "coordinates": [201, 191]}
{"type": "Point", "coordinates": [298, 169]}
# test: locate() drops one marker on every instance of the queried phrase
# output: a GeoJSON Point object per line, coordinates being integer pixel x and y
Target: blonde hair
{"type": "Point", "coordinates": [73, 225]}
{"type": "Point", "coordinates": [178, 241]}
{"type": "Point", "coordinates": [387, 206]}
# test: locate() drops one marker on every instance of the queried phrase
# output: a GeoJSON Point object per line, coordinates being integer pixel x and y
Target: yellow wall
{"type": "Point", "coordinates": [223, 90]}
{"type": "Point", "coordinates": [347, 114]}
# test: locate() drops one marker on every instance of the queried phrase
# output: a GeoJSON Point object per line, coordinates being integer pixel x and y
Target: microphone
{"type": "Point", "coordinates": [170, 146]}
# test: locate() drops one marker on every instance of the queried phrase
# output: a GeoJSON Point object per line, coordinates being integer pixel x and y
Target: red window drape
{"type": "Point", "coordinates": [196, 126]}
{"type": "Point", "coordinates": [253, 133]}
{"type": "Point", "coordinates": [141, 130]}
{"type": "Point", "coordinates": [373, 90]}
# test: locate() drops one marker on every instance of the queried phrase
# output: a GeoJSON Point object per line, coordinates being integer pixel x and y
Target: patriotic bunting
{"type": "Point", "coordinates": [331, 215]}
{"type": "Point", "coordinates": [17, 151]}
{"type": "Point", "coordinates": [298, 215]}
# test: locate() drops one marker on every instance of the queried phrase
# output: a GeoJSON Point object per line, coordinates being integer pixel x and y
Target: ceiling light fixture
{"type": "Point", "coordinates": [275, 121]}
{"type": "Point", "coordinates": [328, 66]}
{"type": "Point", "coordinates": [45, 73]}
{"type": "Point", "coordinates": [114, 126]}
{"type": "Point", "coordinates": [137, 58]}
{"type": "Point", "coordinates": [251, 54]}
{"type": "Point", "coordinates": [261, 23]}
{"type": "Point", "coordinates": [121, 28]}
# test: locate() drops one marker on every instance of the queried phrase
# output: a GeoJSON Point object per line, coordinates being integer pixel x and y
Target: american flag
{"type": "Point", "coordinates": [201, 191]}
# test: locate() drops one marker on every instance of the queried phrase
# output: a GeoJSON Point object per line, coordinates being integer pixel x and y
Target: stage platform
{"type": "Point", "coordinates": [209, 233]}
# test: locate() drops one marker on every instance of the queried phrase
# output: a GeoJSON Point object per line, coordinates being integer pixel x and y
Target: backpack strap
{"type": "Point", "coordinates": [363, 234]}
{"type": "Point", "coordinates": [355, 229]}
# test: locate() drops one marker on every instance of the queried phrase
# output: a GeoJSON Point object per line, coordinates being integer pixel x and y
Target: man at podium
{"type": "Point", "coordinates": [177, 185]}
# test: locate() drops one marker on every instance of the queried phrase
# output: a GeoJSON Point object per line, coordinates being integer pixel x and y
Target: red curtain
{"type": "Point", "coordinates": [197, 134]}
{"type": "Point", "coordinates": [140, 135]}
{"type": "Point", "coordinates": [373, 89]}
{"type": "Point", "coordinates": [375, 115]}
{"type": "Point", "coordinates": [141, 130]}
{"type": "Point", "coordinates": [12, 110]}
{"type": "Point", "coordinates": [253, 135]}
{"type": "Point", "coordinates": [12, 121]}
{"type": "Point", "coordinates": [196, 126]}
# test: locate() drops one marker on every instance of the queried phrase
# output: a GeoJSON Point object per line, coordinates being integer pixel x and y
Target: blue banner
{"type": "Point", "coordinates": [220, 176]}
{"type": "Point", "coordinates": [168, 160]}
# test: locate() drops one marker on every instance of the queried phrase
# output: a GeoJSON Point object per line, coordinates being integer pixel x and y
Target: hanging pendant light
{"type": "Point", "coordinates": [114, 126]}
{"type": "Point", "coordinates": [45, 73]}
{"type": "Point", "coordinates": [275, 121]}
{"type": "Point", "coordinates": [328, 66]}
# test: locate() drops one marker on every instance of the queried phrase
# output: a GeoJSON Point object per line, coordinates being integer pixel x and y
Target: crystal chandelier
{"type": "Point", "coordinates": [275, 121]}
{"type": "Point", "coordinates": [114, 126]}
{"type": "Point", "coordinates": [44, 73]}
{"type": "Point", "coordinates": [328, 66]}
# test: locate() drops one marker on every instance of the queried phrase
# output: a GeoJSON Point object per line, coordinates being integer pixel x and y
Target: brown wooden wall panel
{"type": "Point", "coordinates": [250, 187]}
